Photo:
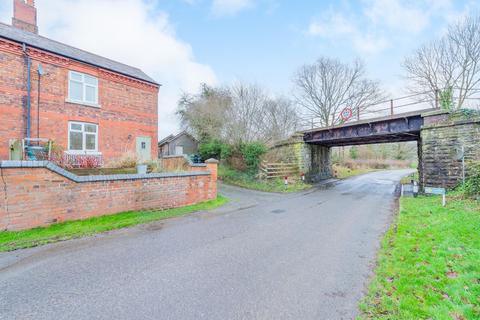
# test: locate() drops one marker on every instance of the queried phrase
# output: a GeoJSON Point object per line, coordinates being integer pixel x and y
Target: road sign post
{"type": "Point", "coordinates": [438, 191]}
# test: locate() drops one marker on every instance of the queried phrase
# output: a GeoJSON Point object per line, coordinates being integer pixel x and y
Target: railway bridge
{"type": "Point", "coordinates": [444, 139]}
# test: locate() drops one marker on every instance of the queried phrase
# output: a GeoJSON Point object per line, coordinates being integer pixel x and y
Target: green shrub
{"type": "Point", "coordinates": [354, 152]}
{"type": "Point", "coordinates": [252, 153]}
{"type": "Point", "coordinates": [471, 187]}
{"type": "Point", "coordinates": [446, 98]}
{"type": "Point", "coordinates": [214, 149]}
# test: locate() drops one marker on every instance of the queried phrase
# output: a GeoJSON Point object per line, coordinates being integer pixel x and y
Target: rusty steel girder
{"type": "Point", "coordinates": [394, 129]}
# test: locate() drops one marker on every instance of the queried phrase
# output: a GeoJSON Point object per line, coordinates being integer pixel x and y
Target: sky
{"type": "Point", "coordinates": [183, 43]}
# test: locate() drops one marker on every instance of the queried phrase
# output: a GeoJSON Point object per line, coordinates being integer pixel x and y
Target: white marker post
{"type": "Point", "coordinates": [415, 188]}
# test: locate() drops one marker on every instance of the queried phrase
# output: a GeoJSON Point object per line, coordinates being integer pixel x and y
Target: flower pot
{"type": "Point", "coordinates": [142, 169]}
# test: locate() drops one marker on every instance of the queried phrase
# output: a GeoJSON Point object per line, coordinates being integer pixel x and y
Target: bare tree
{"type": "Point", "coordinates": [256, 116]}
{"type": "Point", "coordinates": [327, 86]}
{"type": "Point", "coordinates": [238, 114]}
{"type": "Point", "coordinates": [204, 114]}
{"type": "Point", "coordinates": [281, 119]}
{"type": "Point", "coordinates": [451, 63]}
{"type": "Point", "coordinates": [246, 115]}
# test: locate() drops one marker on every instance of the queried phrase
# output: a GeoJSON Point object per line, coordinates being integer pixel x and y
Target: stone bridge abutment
{"type": "Point", "coordinates": [447, 141]}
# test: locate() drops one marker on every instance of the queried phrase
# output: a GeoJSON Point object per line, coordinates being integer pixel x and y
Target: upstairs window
{"type": "Point", "coordinates": [82, 137]}
{"type": "Point", "coordinates": [82, 88]}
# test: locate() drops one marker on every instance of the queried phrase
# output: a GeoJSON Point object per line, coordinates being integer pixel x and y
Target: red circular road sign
{"type": "Point", "coordinates": [346, 114]}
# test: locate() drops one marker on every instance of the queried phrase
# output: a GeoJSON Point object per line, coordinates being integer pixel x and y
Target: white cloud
{"type": "Point", "coordinates": [334, 23]}
{"type": "Point", "coordinates": [396, 14]}
{"type": "Point", "coordinates": [6, 11]}
{"type": "Point", "coordinates": [230, 7]}
{"type": "Point", "coordinates": [379, 23]}
{"type": "Point", "coordinates": [336, 27]}
{"type": "Point", "coordinates": [132, 32]}
{"type": "Point", "coordinates": [190, 2]}
{"type": "Point", "coordinates": [369, 43]}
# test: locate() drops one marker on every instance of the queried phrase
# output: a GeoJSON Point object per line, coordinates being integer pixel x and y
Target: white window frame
{"type": "Point", "coordinates": [84, 87]}
{"type": "Point", "coordinates": [84, 140]}
{"type": "Point", "coordinates": [179, 154]}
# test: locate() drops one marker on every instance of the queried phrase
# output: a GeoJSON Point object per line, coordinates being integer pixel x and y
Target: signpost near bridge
{"type": "Point", "coordinates": [438, 191]}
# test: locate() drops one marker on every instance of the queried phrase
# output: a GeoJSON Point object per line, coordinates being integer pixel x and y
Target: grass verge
{"type": "Point", "coordinates": [408, 179]}
{"type": "Point", "coordinates": [429, 264]}
{"type": "Point", "coordinates": [248, 181]}
{"type": "Point", "coordinates": [13, 240]}
{"type": "Point", "coordinates": [341, 172]}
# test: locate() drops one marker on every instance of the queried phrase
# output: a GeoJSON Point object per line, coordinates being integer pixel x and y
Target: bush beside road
{"type": "Point", "coordinates": [343, 172]}
{"type": "Point", "coordinates": [248, 180]}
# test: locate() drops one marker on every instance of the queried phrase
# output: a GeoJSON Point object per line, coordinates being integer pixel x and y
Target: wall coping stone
{"type": "Point", "coordinates": [451, 124]}
{"type": "Point", "coordinates": [212, 161]}
{"type": "Point", "coordinates": [296, 138]}
{"type": "Point", "coordinates": [434, 113]}
{"type": "Point", "coordinates": [96, 178]}
{"type": "Point", "coordinates": [187, 159]}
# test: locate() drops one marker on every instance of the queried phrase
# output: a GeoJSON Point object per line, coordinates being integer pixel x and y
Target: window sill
{"type": "Point", "coordinates": [83, 153]}
{"type": "Point", "coordinates": [86, 104]}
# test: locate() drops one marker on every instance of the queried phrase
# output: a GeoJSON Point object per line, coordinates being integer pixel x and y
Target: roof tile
{"type": "Point", "coordinates": [39, 42]}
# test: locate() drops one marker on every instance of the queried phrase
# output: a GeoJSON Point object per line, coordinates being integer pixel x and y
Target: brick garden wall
{"type": "Point", "coordinates": [37, 194]}
{"type": "Point", "coordinates": [128, 107]}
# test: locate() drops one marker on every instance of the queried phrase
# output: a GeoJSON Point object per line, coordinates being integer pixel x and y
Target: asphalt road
{"type": "Point", "coordinates": [264, 256]}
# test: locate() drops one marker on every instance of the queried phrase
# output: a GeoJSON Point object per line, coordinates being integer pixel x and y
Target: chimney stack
{"type": "Point", "coordinates": [25, 15]}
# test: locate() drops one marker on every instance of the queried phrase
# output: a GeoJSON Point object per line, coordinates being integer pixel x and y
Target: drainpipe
{"type": "Point", "coordinates": [40, 73]}
{"type": "Point", "coordinates": [29, 89]}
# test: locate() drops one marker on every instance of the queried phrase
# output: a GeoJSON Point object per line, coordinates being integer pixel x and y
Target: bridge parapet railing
{"type": "Point", "coordinates": [421, 101]}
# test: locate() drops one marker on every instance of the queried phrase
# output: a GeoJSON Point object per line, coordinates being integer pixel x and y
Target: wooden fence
{"type": "Point", "coordinates": [279, 170]}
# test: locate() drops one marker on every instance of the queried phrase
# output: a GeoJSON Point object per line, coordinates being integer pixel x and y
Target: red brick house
{"type": "Point", "coordinates": [87, 104]}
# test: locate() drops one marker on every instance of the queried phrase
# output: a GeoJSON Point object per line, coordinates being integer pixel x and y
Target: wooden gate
{"type": "Point", "coordinates": [279, 170]}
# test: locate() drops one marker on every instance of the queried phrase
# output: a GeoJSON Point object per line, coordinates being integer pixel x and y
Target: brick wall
{"type": "Point", "coordinates": [128, 107]}
{"type": "Point", "coordinates": [36, 194]}
{"type": "Point", "coordinates": [442, 137]}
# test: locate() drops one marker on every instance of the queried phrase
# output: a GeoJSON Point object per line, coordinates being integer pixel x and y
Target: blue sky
{"type": "Point", "coordinates": [182, 43]}
{"type": "Point", "coordinates": [266, 41]}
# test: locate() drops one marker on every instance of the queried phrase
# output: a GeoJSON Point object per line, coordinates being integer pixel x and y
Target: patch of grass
{"type": "Point", "coordinates": [408, 179]}
{"type": "Point", "coordinates": [429, 264]}
{"type": "Point", "coordinates": [249, 181]}
{"type": "Point", "coordinates": [13, 240]}
{"type": "Point", "coordinates": [341, 172]}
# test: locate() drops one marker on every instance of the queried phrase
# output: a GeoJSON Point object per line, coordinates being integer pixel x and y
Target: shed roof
{"type": "Point", "coordinates": [172, 137]}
